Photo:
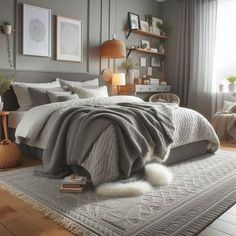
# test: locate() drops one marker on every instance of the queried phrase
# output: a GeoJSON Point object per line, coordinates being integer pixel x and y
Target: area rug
{"type": "Point", "coordinates": [202, 189]}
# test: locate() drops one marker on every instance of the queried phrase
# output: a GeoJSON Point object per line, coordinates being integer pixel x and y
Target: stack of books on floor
{"type": "Point", "coordinates": [73, 184]}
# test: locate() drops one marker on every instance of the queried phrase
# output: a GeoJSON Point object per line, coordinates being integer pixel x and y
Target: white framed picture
{"type": "Point", "coordinates": [144, 26]}
{"type": "Point", "coordinates": [145, 44]}
{"type": "Point", "coordinates": [155, 62]}
{"type": "Point", "coordinates": [143, 61]}
{"type": "Point", "coordinates": [36, 31]}
{"type": "Point", "coordinates": [69, 39]}
{"type": "Point", "coordinates": [154, 24]}
{"type": "Point", "coordinates": [149, 71]}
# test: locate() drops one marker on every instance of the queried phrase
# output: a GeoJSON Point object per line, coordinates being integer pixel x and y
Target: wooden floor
{"type": "Point", "coordinates": [18, 218]}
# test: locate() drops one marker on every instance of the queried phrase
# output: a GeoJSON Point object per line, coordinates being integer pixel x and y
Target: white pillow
{"type": "Point", "coordinates": [94, 83]}
{"type": "Point", "coordinates": [90, 92]}
{"type": "Point", "coordinates": [23, 95]}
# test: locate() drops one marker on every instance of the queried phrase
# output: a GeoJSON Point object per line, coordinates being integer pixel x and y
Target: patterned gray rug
{"type": "Point", "coordinates": [202, 189]}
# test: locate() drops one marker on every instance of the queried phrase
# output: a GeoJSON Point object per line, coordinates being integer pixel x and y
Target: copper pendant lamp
{"type": "Point", "coordinates": [113, 49]}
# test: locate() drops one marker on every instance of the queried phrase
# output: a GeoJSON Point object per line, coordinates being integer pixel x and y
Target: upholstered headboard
{"type": "Point", "coordinates": [9, 98]}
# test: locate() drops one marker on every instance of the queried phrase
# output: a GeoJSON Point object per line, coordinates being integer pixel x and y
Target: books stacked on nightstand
{"type": "Point", "coordinates": [73, 184]}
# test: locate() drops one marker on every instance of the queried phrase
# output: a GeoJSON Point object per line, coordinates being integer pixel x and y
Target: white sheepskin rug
{"type": "Point", "coordinates": [155, 175]}
{"type": "Point", "coordinates": [158, 174]}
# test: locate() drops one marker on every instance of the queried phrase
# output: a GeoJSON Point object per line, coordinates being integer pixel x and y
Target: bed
{"type": "Point", "coordinates": [34, 134]}
{"type": "Point", "coordinates": [33, 127]}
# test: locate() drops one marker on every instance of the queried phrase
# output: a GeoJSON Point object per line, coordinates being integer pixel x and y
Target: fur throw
{"type": "Point", "coordinates": [155, 175]}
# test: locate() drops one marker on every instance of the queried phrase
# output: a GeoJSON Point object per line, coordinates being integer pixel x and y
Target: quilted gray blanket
{"type": "Point", "coordinates": [137, 126]}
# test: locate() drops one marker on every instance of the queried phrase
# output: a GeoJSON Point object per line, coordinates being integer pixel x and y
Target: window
{"type": "Point", "coordinates": [225, 47]}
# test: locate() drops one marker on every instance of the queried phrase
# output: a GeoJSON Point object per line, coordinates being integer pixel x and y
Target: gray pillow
{"type": "Point", "coordinates": [53, 96]}
{"type": "Point", "coordinates": [68, 97]}
{"type": "Point", "coordinates": [39, 95]}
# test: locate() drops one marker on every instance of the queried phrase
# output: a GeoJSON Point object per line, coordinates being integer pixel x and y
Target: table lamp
{"type": "Point", "coordinates": [118, 79]}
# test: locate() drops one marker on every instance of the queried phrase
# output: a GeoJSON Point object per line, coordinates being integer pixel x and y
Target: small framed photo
{"type": "Point", "coordinates": [134, 21]}
{"type": "Point", "coordinates": [155, 20]}
{"type": "Point", "coordinates": [144, 26]}
{"type": "Point", "coordinates": [69, 39]}
{"type": "Point", "coordinates": [145, 44]}
{"type": "Point", "coordinates": [149, 71]}
{"type": "Point", "coordinates": [143, 61]}
{"type": "Point", "coordinates": [36, 31]}
{"type": "Point", "coordinates": [155, 62]}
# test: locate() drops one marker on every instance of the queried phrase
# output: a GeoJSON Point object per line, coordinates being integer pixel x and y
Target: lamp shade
{"type": "Point", "coordinates": [113, 49]}
{"type": "Point", "coordinates": [118, 79]}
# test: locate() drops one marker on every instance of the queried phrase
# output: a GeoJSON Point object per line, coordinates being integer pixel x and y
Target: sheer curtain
{"type": "Point", "coordinates": [194, 68]}
{"type": "Point", "coordinates": [225, 50]}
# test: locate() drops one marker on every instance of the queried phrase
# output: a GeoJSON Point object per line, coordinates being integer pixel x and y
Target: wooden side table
{"type": "Point", "coordinates": [4, 115]}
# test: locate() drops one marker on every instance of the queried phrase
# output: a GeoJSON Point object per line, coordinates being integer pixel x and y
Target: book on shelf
{"type": "Point", "coordinates": [70, 190]}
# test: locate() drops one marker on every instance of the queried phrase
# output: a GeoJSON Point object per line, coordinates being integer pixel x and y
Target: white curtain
{"type": "Point", "coordinates": [225, 50]}
{"type": "Point", "coordinates": [196, 55]}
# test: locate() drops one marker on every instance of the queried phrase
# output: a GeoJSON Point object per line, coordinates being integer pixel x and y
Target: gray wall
{"type": "Point", "coordinates": [101, 18]}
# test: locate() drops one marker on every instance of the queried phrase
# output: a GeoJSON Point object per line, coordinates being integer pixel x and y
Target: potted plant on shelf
{"type": "Point", "coordinates": [127, 65]}
{"type": "Point", "coordinates": [148, 19]}
{"type": "Point", "coordinates": [232, 85]}
{"type": "Point", "coordinates": [161, 46]}
{"type": "Point", "coordinates": [164, 27]}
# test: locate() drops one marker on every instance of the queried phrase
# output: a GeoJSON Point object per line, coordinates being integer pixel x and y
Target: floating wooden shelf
{"type": "Point", "coordinates": [144, 51]}
{"type": "Point", "coordinates": [142, 32]}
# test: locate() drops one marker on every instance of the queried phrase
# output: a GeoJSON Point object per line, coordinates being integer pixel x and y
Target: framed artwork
{"type": "Point", "coordinates": [155, 62]}
{"type": "Point", "coordinates": [143, 61]}
{"type": "Point", "coordinates": [154, 24]}
{"type": "Point", "coordinates": [134, 21]}
{"type": "Point", "coordinates": [145, 44]}
{"type": "Point", "coordinates": [144, 26]}
{"type": "Point", "coordinates": [36, 31]}
{"type": "Point", "coordinates": [149, 71]}
{"type": "Point", "coordinates": [69, 39]}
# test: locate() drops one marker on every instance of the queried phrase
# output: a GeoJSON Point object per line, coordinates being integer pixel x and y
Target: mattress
{"type": "Point", "coordinates": [14, 118]}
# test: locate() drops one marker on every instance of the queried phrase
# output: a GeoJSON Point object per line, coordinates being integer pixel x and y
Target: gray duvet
{"type": "Point", "coordinates": [137, 126]}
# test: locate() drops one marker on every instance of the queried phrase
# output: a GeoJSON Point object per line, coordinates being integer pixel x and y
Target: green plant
{"type": "Point", "coordinates": [148, 19]}
{"type": "Point", "coordinates": [8, 44]}
{"type": "Point", "coordinates": [144, 45]}
{"type": "Point", "coordinates": [127, 65]}
{"type": "Point", "coordinates": [164, 27]}
{"type": "Point", "coordinates": [161, 42]}
{"type": "Point", "coordinates": [6, 23]}
{"type": "Point", "coordinates": [5, 82]}
{"type": "Point", "coordinates": [231, 79]}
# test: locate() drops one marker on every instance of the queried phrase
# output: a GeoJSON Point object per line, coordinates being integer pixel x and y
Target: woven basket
{"type": "Point", "coordinates": [9, 154]}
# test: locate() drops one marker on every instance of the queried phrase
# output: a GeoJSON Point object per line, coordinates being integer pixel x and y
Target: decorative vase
{"type": "Point", "coordinates": [161, 49]}
{"type": "Point", "coordinates": [1, 104]}
{"type": "Point", "coordinates": [6, 29]}
{"type": "Point", "coordinates": [129, 77]}
{"type": "Point", "coordinates": [150, 29]}
{"type": "Point", "coordinates": [232, 87]}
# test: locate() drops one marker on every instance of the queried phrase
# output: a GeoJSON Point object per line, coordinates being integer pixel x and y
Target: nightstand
{"type": "Point", "coordinates": [4, 115]}
{"type": "Point", "coordinates": [143, 91]}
